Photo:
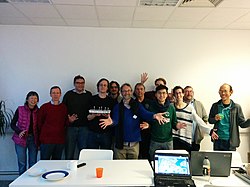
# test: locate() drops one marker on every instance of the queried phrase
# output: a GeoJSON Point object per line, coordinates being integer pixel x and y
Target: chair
{"type": "Point", "coordinates": [96, 154]}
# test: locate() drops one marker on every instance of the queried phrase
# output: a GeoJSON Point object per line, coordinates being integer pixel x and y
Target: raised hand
{"type": "Point", "coordinates": [144, 77]}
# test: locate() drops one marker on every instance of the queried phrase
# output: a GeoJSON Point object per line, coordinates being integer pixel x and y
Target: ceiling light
{"type": "Point", "coordinates": [158, 2]}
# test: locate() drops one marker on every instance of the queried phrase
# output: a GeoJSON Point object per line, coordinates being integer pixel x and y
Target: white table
{"type": "Point", "coordinates": [231, 181]}
{"type": "Point", "coordinates": [116, 173]}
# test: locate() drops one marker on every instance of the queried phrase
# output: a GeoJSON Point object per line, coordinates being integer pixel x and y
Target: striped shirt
{"type": "Point", "coordinates": [188, 115]}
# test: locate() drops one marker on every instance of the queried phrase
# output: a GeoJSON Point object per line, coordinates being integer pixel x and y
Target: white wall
{"type": "Point", "coordinates": [35, 58]}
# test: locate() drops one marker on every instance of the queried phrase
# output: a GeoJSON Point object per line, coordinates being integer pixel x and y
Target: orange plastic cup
{"type": "Point", "coordinates": [99, 172]}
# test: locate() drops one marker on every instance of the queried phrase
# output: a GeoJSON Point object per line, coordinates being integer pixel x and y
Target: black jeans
{"type": "Point", "coordinates": [222, 145]}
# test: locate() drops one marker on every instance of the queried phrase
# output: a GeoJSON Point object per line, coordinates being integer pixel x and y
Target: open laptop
{"type": "Point", "coordinates": [220, 163]}
{"type": "Point", "coordinates": [172, 169]}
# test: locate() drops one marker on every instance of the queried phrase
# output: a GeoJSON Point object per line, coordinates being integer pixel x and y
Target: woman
{"type": "Point", "coordinates": [185, 112]}
{"type": "Point", "coordinates": [24, 123]}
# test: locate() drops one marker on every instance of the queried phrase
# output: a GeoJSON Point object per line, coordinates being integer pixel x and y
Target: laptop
{"type": "Point", "coordinates": [172, 169]}
{"type": "Point", "coordinates": [220, 163]}
{"type": "Point", "coordinates": [242, 174]}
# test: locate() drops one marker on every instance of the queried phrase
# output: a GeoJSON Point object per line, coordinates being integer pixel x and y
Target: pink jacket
{"type": "Point", "coordinates": [23, 124]}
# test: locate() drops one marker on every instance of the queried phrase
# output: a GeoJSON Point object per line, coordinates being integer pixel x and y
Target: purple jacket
{"type": "Point", "coordinates": [23, 123]}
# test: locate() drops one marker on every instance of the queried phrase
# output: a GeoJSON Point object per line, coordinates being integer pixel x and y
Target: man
{"type": "Point", "coordinates": [200, 111]}
{"type": "Point", "coordinates": [145, 133]}
{"type": "Point", "coordinates": [77, 101]}
{"type": "Point", "coordinates": [126, 118]}
{"type": "Point", "coordinates": [227, 116]}
{"type": "Point", "coordinates": [161, 134]}
{"type": "Point", "coordinates": [185, 113]}
{"type": "Point", "coordinates": [52, 121]}
{"type": "Point", "coordinates": [158, 81]}
{"type": "Point", "coordinates": [114, 91]}
{"type": "Point", "coordinates": [98, 137]}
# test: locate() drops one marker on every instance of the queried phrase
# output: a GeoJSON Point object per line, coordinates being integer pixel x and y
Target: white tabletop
{"type": "Point", "coordinates": [115, 173]}
{"type": "Point", "coordinates": [231, 181]}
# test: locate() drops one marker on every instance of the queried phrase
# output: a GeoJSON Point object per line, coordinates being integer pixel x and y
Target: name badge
{"type": "Point", "coordinates": [134, 116]}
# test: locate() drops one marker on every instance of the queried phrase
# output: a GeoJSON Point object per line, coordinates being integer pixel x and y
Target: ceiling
{"type": "Point", "coordinates": [194, 14]}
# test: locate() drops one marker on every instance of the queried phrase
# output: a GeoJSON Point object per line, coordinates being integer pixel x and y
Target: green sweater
{"type": "Point", "coordinates": [163, 132]}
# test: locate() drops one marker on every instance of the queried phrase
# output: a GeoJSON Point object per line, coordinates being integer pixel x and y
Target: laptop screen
{"type": "Point", "coordinates": [172, 164]}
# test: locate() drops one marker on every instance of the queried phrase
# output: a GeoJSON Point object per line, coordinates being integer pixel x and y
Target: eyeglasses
{"type": "Point", "coordinates": [113, 87]}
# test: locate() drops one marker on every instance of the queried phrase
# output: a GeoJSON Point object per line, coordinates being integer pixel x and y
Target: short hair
{"type": "Point", "coordinates": [161, 87]}
{"type": "Point", "coordinates": [31, 93]}
{"type": "Point", "coordinates": [98, 83]}
{"type": "Point", "coordinates": [178, 87]}
{"type": "Point", "coordinates": [78, 77]}
{"type": "Point", "coordinates": [161, 79]}
{"type": "Point", "coordinates": [55, 87]}
{"type": "Point", "coordinates": [188, 87]}
{"type": "Point", "coordinates": [140, 84]}
{"type": "Point", "coordinates": [126, 84]}
{"type": "Point", "coordinates": [116, 83]}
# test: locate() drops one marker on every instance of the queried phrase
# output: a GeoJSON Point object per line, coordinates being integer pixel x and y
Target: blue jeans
{"type": "Point", "coordinates": [99, 140]}
{"type": "Point", "coordinates": [159, 146]}
{"type": "Point", "coordinates": [22, 154]}
{"type": "Point", "coordinates": [51, 151]}
{"type": "Point", "coordinates": [76, 136]}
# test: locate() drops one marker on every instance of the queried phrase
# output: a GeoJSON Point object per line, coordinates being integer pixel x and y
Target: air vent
{"type": "Point", "coordinates": [158, 2]}
{"type": "Point", "coordinates": [29, 1]}
{"type": "Point", "coordinates": [200, 3]}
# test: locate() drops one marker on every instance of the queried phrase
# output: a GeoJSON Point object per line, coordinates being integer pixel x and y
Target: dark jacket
{"type": "Point", "coordinates": [236, 119]}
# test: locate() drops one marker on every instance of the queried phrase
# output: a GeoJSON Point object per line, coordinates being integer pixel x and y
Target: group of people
{"type": "Point", "coordinates": [138, 123]}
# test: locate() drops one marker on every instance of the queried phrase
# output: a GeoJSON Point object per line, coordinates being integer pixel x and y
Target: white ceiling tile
{"type": "Point", "coordinates": [189, 14]}
{"type": "Point", "coordinates": [77, 12]}
{"type": "Point", "coordinates": [119, 24]}
{"type": "Point", "coordinates": [152, 13]}
{"type": "Point", "coordinates": [225, 15]}
{"type": "Point", "coordinates": [49, 22]}
{"type": "Point", "coordinates": [73, 2]}
{"type": "Point", "coordinates": [37, 10]}
{"type": "Point", "coordinates": [146, 24]}
{"type": "Point", "coordinates": [115, 13]}
{"type": "Point", "coordinates": [239, 25]}
{"type": "Point", "coordinates": [212, 25]}
{"type": "Point", "coordinates": [180, 24]}
{"type": "Point", "coordinates": [117, 2]}
{"type": "Point", "coordinates": [245, 18]}
{"type": "Point", "coordinates": [82, 23]}
{"type": "Point", "coordinates": [235, 4]}
{"type": "Point", "coordinates": [15, 21]}
{"type": "Point", "coordinates": [229, 14]}
{"type": "Point", "coordinates": [7, 10]}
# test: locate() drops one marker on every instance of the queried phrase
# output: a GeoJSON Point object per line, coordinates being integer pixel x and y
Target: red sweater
{"type": "Point", "coordinates": [52, 120]}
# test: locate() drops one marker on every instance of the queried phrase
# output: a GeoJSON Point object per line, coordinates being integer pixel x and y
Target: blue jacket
{"type": "Point", "coordinates": [129, 127]}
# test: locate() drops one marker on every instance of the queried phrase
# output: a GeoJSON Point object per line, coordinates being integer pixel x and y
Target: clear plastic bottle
{"type": "Point", "coordinates": [206, 168]}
